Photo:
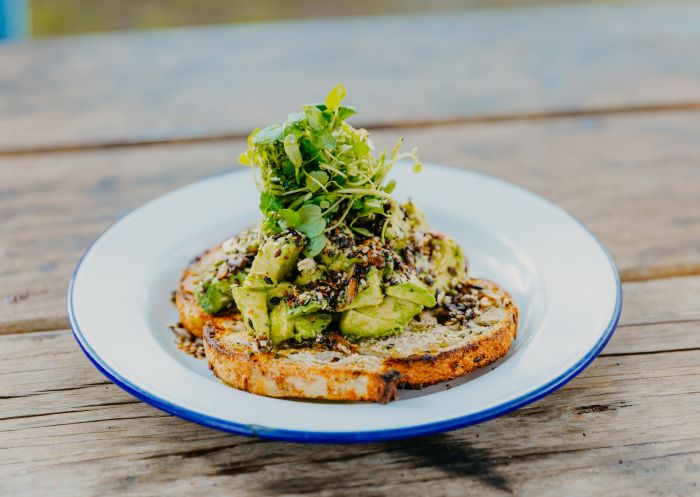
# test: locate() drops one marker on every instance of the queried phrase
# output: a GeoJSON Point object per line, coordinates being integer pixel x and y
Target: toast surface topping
{"type": "Point", "coordinates": [338, 280]}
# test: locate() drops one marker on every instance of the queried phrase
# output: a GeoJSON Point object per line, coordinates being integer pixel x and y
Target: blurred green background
{"type": "Point", "coordinates": [59, 17]}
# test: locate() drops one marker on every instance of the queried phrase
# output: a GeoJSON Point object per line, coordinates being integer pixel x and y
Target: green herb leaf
{"type": "Point", "coordinates": [374, 203]}
{"type": "Point", "coordinates": [269, 202]}
{"type": "Point", "coordinates": [335, 97]}
{"type": "Point", "coordinates": [315, 117]}
{"type": "Point", "coordinates": [345, 111]}
{"type": "Point", "coordinates": [311, 222]}
{"type": "Point", "coordinates": [316, 180]}
{"type": "Point", "coordinates": [291, 218]}
{"type": "Point", "coordinates": [317, 171]}
{"type": "Point", "coordinates": [360, 148]}
{"type": "Point", "coordinates": [327, 140]}
{"type": "Point", "coordinates": [389, 187]}
{"type": "Point", "coordinates": [315, 246]}
{"type": "Point", "coordinates": [361, 230]}
{"type": "Point", "coordinates": [296, 118]}
{"type": "Point", "coordinates": [291, 148]}
{"type": "Point", "coordinates": [268, 135]}
{"type": "Point", "coordinates": [271, 225]}
{"type": "Point", "coordinates": [288, 168]}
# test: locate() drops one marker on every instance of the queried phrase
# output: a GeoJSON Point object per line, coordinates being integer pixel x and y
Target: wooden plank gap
{"type": "Point", "coordinates": [647, 352]}
{"type": "Point", "coordinates": [655, 272]}
{"type": "Point", "coordinates": [377, 126]}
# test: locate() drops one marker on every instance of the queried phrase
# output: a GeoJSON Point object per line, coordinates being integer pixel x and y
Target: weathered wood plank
{"type": "Point", "coordinates": [628, 424]}
{"type": "Point", "coordinates": [634, 181]}
{"type": "Point", "coordinates": [658, 315]}
{"type": "Point", "coordinates": [50, 367]}
{"type": "Point", "coordinates": [220, 80]}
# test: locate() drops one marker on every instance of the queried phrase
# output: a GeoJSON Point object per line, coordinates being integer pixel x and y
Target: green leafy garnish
{"type": "Point", "coordinates": [335, 97]}
{"type": "Point", "coordinates": [317, 172]}
{"type": "Point", "coordinates": [311, 219]}
{"type": "Point", "coordinates": [315, 246]}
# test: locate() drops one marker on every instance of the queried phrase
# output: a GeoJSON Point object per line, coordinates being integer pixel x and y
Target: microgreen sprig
{"type": "Point", "coordinates": [317, 172]}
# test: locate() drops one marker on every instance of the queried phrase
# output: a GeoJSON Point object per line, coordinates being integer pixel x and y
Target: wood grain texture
{"type": "Point", "coordinates": [635, 181]}
{"type": "Point", "coordinates": [200, 82]}
{"type": "Point", "coordinates": [627, 424]}
{"type": "Point", "coordinates": [595, 107]}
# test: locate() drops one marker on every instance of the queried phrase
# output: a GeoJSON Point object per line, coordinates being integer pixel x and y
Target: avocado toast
{"type": "Point", "coordinates": [341, 292]}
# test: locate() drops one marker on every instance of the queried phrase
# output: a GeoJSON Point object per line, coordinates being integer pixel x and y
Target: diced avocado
{"type": "Point", "coordinates": [413, 291]}
{"type": "Point", "coordinates": [215, 296]}
{"type": "Point", "coordinates": [259, 281]}
{"type": "Point", "coordinates": [335, 254]}
{"type": "Point", "coordinates": [392, 309]}
{"type": "Point", "coordinates": [308, 308]}
{"type": "Point", "coordinates": [448, 263]}
{"type": "Point", "coordinates": [310, 275]}
{"type": "Point", "coordinates": [370, 295]}
{"type": "Point", "coordinates": [253, 306]}
{"type": "Point", "coordinates": [388, 318]}
{"type": "Point", "coordinates": [415, 216]}
{"type": "Point", "coordinates": [275, 259]}
{"type": "Point", "coordinates": [281, 325]}
{"type": "Point", "coordinates": [311, 325]}
{"type": "Point", "coordinates": [284, 327]}
{"type": "Point", "coordinates": [277, 292]}
{"type": "Point", "coordinates": [341, 262]}
{"type": "Point", "coordinates": [358, 325]}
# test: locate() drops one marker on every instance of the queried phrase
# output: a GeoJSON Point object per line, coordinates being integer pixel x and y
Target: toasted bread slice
{"type": "Point", "coordinates": [236, 359]}
{"type": "Point", "coordinates": [426, 353]}
{"type": "Point", "coordinates": [192, 316]}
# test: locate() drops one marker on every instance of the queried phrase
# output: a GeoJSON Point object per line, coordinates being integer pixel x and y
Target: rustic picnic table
{"type": "Point", "coordinates": [596, 107]}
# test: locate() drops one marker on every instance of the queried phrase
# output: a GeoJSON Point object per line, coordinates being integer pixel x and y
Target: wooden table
{"type": "Point", "coordinates": [595, 107]}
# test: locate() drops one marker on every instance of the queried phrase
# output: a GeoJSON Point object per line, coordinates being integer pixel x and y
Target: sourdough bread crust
{"type": "Point", "coordinates": [422, 370]}
{"type": "Point", "coordinates": [275, 374]}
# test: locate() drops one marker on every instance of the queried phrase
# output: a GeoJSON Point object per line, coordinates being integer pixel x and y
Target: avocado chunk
{"type": "Point", "coordinates": [253, 306]}
{"type": "Point", "coordinates": [284, 327]}
{"type": "Point", "coordinates": [357, 325]}
{"type": "Point", "coordinates": [392, 309]}
{"type": "Point", "coordinates": [276, 293]}
{"type": "Point", "coordinates": [311, 275]}
{"type": "Point", "coordinates": [275, 259]}
{"type": "Point", "coordinates": [370, 295]}
{"type": "Point", "coordinates": [389, 317]}
{"type": "Point", "coordinates": [215, 296]}
{"type": "Point", "coordinates": [281, 325]}
{"type": "Point", "coordinates": [448, 263]}
{"type": "Point", "coordinates": [309, 308]}
{"type": "Point", "coordinates": [259, 281]}
{"type": "Point", "coordinates": [413, 291]}
{"type": "Point", "coordinates": [415, 216]}
{"type": "Point", "coordinates": [341, 262]}
{"type": "Point", "coordinates": [306, 327]}
{"type": "Point", "coordinates": [335, 255]}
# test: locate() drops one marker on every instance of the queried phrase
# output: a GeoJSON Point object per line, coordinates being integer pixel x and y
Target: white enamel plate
{"type": "Point", "coordinates": [559, 275]}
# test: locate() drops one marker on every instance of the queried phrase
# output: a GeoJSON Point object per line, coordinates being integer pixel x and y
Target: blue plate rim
{"type": "Point", "coordinates": [359, 436]}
